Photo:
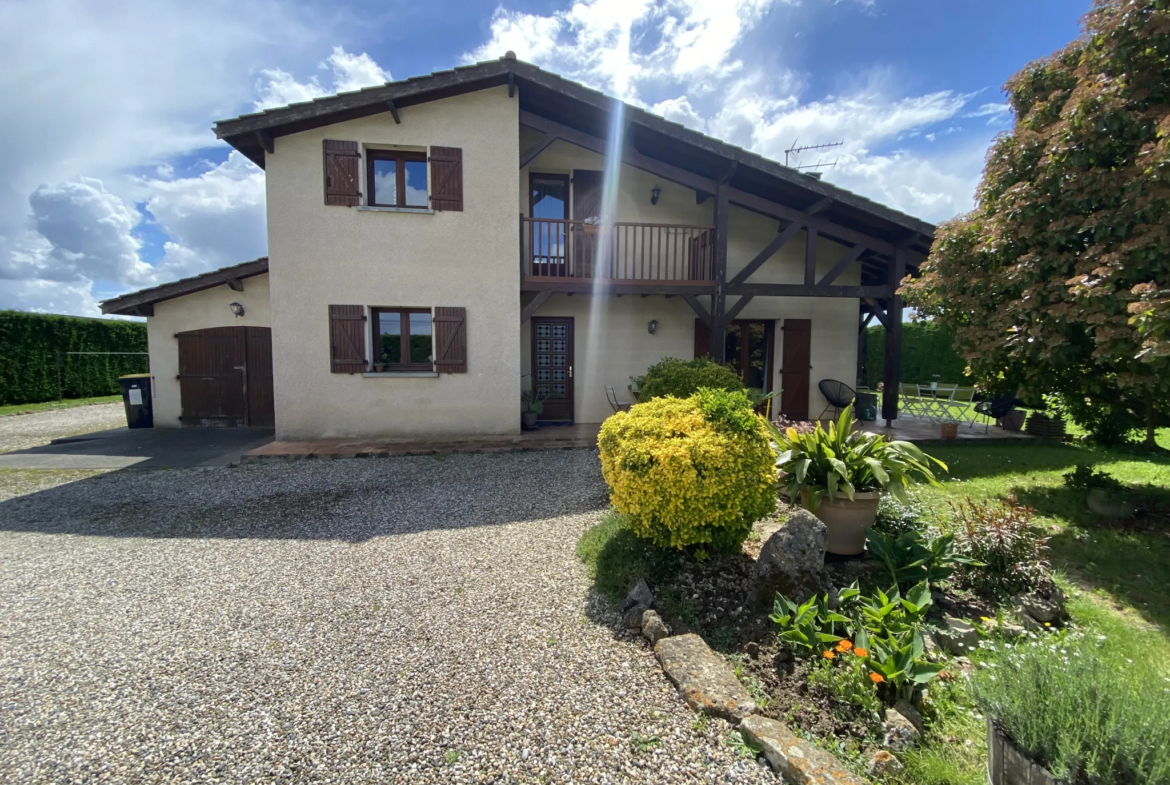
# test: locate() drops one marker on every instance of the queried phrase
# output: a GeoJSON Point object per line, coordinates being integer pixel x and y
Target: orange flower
{"type": "Point", "coordinates": [876, 678]}
{"type": "Point", "coordinates": [844, 645]}
{"type": "Point", "coordinates": [828, 655]}
{"type": "Point", "coordinates": [860, 652]}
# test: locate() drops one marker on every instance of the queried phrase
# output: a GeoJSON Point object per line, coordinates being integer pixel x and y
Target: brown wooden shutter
{"type": "Point", "coordinates": [450, 340]}
{"type": "Point", "coordinates": [702, 338]}
{"type": "Point", "coordinates": [447, 178]}
{"type": "Point", "coordinates": [342, 173]}
{"type": "Point", "coordinates": [347, 339]}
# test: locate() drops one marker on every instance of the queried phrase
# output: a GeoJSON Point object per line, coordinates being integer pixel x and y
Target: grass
{"type": "Point", "coordinates": [68, 403]}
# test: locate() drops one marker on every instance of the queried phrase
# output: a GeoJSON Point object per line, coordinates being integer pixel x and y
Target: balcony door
{"type": "Point", "coordinates": [548, 205]}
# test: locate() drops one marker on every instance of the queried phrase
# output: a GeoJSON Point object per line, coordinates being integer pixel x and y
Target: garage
{"type": "Point", "coordinates": [210, 340]}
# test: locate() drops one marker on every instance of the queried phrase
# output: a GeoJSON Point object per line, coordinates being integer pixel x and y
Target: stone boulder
{"type": "Point", "coordinates": [900, 731]}
{"type": "Point", "coordinates": [958, 636]}
{"type": "Point", "coordinates": [792, 561]}
{"type": "Point", "coordinates": [796, 760]}
{"type": "Point", "coordinates": [883, 764]}
{"type": "Point", "coordinates": [653, 627]}
{"type": "Point", "coordinates": [1046, 607]}
{"type": "Point", "coordinates": [639, 595]}
{"type": "Point", "coordinates": [705, 681]}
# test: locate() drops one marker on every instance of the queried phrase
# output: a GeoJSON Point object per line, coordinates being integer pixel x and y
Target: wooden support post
{"type": "Point", "coordinates": [719, 268]}
{"type": "Point", "coordinates": [893, 369]}
{"type": "Point", "coordinates": [863, 347]}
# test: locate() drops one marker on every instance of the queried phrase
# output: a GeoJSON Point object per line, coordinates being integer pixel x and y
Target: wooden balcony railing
{"type": "Point", "coordinates": [630, 253]}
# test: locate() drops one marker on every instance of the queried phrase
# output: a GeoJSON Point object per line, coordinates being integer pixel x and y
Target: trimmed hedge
{"type": "Point", "coordinates": [30, 343]}
{"type": "Point", "coordinates": [926, 350]}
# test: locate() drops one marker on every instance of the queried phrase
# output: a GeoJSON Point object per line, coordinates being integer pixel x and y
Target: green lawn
{"type": "Point", "coordinates": [26, 408]}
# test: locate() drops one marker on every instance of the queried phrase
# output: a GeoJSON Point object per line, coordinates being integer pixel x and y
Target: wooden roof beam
{"type": "Point", "coordinates": [803, 290]}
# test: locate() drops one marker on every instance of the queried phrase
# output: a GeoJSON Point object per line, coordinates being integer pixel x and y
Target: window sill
{"type": "Point", "coordinates": [400, 375]}
{"type": "Point", "coordinates": [373, 209]}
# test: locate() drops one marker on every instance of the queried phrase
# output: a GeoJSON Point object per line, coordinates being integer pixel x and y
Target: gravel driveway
{"type": "Point", "coordinates": [407, 620]}
{"type": "Point", "coordinates": [22, 431]}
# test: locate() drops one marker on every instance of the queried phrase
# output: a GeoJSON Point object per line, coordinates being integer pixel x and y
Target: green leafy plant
{"type": "Point", "coordinates": [900, 660]}
{"type": "Point", "coordinates": [644, 743]}
{"type": "Point", "coordinates": [895, 518]}
{"type": "Point", "coordinates": [742, 746]}
{"type": "Point", "coordinates": [533, 403]}
{"type": "Point", "coordinates": [1001, 552]}
{"type": "Point", "coordinates": [912, 558]}
{"type": "Point", "coordinates": [1081, 706]}
{"type": "Point", "coordinates": [810, 625]}
{"type": "Point", "coordinates": [1084, 479]}
{"type": "Point", "coordinates": [847, 678]}
{"type": "Point", "coordinates": [683, 378]}
{"type": "Point", "coordinates": [841, 462]}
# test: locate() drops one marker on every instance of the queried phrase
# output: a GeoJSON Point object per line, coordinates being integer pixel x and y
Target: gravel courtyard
{"type": "Point", "coordinates": [408, 620]}
{"type": "Point", "coordinates": [20, 432]}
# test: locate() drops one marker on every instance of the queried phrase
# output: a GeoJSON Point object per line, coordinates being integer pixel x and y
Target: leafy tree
{"type": "Point", "coordinates": [1042, 282]}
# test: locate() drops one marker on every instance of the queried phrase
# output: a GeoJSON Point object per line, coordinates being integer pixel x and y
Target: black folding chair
{"type": "Point", "coordinates": [994, 409]}
{"type": "Point", "coordinates": [611, 396]}
{"type": "Point", "coordinates": [838, 394]}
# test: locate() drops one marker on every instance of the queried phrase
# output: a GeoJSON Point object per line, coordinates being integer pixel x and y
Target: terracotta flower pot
{"type": "Point", "coordinates": [846, 520]}
{"type": "Point", "coordinates": [950, 430]}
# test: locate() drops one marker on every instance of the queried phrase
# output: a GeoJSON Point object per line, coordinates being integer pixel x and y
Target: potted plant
{"type": "Point", "coordinates": [950, 428]}
{"type": "Point", "coordinates": [840, 474]}
{"type": "Point", "coordinates": [531, 407]}
{"type": "Point", "coordinates": [1104, 494]}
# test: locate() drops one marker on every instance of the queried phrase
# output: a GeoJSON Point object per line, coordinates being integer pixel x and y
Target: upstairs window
{"type": "Point", "coordinates": [396, 179]}
{"type": "Point", "coordinates": [403, 339]}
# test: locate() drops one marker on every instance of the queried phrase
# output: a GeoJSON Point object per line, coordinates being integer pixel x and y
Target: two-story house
{"type": "Point", "coordinates": [439, 244]}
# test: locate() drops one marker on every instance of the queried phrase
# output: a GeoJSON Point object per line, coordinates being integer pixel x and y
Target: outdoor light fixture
{"type": "Point", "coordinates": [653, 326]}
{"type": "Point", "coordinates": [237, 309]}
{"type": "Point", "coordinates": [655, 192]}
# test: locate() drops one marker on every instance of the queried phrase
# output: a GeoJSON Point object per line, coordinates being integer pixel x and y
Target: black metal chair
{"type": "Point", "coordinates": [611, 396]}
{"type": "Point", "coordinates": [994, 409]}
{"type": "Point", "coordinates": [838, 394]}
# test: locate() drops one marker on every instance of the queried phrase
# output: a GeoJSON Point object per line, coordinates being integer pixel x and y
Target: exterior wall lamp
{"type": "Point", "coordinates": [237, 309]}
{"type": "Point", "coordinates": [655, 192]}
{"type": "Point", "coordinates": [653, 326]}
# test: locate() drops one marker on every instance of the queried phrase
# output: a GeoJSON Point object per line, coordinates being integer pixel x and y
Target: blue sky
{"type": "Point", "coordinates": [116, 182]}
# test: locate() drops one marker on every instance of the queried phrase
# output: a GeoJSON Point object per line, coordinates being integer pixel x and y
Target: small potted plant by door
{"type": "Point", "coordinates": [839, 475]}
{"type": "Point", "coordinates": [531, 407]}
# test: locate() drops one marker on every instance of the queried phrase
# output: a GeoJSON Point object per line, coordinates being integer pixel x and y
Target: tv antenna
{"type": "Point", "coordinates": [796, 151]}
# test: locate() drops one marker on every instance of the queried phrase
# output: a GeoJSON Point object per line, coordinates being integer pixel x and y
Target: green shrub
{"type": "Point", "coordinates": [690, 471]}
{"type": "Point", "coordinates": [913, 557]}
{"type": "Point", "coordinates": [895, 518]}
{"type": "Point", "coordinates": [927, 349]}
{"type": "Point", "coordinates": [1080, 707]}
{"type": "Point", "coordinates": [999, 536]}
{"type": "Point", "coordinates": [1083, 479]}
{"type": "Point", "coordinates": [1106, 422]}
{"type": "Point", "coordinates": [683, 378]}
{"type": "Point", "coordinates": [30, 344]}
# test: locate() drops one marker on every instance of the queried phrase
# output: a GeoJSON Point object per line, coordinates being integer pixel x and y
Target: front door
{"type": "Point", "coordinates": [552, 366]}
{"type": "Point", "coordinates": [795, 370]}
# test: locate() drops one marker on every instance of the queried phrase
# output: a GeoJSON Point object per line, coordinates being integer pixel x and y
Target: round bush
{"type": "Point", "coordinates": [690, 471]}
{"type": "Point", "coordinates": [683, 378]}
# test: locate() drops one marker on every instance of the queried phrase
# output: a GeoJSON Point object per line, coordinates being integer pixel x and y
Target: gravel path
{"type": "Point", "coordinates": [21, 431]}
{"type": "Point", "coordinates": [408, 620]}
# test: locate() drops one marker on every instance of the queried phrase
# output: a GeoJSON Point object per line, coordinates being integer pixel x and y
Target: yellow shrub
{"type": "Point", "coordinates": [690, 471]}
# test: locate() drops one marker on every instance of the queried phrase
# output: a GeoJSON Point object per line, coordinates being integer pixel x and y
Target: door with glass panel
{"type": "Point", "coordinates": [552, 366]}
{"type": "Point", "coordinates": [548, 240]}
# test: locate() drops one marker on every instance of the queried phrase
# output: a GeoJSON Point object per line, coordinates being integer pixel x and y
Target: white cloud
{"type": "Point", "coordinates": [349, 72]}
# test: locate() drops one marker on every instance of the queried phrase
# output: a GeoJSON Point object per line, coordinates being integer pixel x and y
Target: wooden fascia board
{"type": "Point", "coordinates": [614, 287]}
{"type": "Point", "coordinates": [129, 304]}
{"type": "Point", "coordinates": [801, 290]}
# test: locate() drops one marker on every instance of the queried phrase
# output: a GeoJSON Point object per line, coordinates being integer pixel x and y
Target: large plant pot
{"type": "Point", "coordinates": [1013, 420]}
{"type": "Point", "coordinates": [950, 430]}
{"type": "Point", "coordinates": [846, 520]}
{"type": "Point", "coordinates": [528, 420]}
{"type": "Point", "coordinates": [1007, 764]}
{"type": "Point", "coordinates": [1110, 505]}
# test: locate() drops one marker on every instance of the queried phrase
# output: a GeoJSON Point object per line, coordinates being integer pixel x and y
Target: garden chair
{"type": "Point", "coordinates": [994, 409]}
{"type": "Point", "coordinates": [912, 402]}
{"type": "Point", "coordinates": [611, 396]}
{"type": "Point", "coordinates": [960, 403]}
{"type": "Point", "coordinates": [937, 398]}
{"type": "Point", "coordinates": [838, 394]}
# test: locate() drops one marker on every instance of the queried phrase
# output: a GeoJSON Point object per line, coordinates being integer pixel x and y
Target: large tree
{"type": "Point", "coordinates": [1055, 283]}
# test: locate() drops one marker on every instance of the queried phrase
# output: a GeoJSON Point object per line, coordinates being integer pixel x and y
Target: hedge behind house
{"type": "Point", "coordinates": [926, 350]}
{"type": "Point", "coordinates": [30, 342]}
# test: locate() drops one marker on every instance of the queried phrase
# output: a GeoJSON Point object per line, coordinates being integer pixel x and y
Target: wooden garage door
{"type": "Point", "coordinates": [225, 377]}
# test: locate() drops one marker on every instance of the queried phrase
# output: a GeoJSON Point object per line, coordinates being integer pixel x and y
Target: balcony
{"type": "Point", "coordinates": [571, 256]}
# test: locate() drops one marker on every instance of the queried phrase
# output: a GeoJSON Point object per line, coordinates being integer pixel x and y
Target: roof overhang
{"type": "Point", "coordinates": [141, 303]}
{"type": "Point", "coordinates": [572, 105]}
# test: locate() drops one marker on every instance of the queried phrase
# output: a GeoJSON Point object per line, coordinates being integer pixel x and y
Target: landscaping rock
{"type": "Point", "coordinates": [633, 617]}
{"type": "Point", "coordinates": [904, 708]}
{"type": "Point", "coordinates": [958, 636]}
{"type": "Point", "coordinates": [653, 627]}
{"type": "Point", "coordinates": [1006, 629]}
{"type": "Point", "coordinates": [1041, 608]}
{"type": "Point", "coordinates": [639, 595]}
{"type": "Point", "coordinates": [799, 762]}
{"type": "Point", "coordinates": [705, 681]}
{"type": "Point", "coordinates": [792, 561]}
{"type": "Point", "coordinates": [930, 647]}
{"type": "Point", "coordinates": [901, 734]}
{"type": "Point", "coordinates": [883, 764]}
{"type": "Point", "coordinates": [752, 649]}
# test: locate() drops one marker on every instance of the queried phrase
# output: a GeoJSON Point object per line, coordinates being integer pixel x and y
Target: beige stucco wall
{"type": "Point", "coordinates": [208, 308]}
{"type": "Point", "coordinates": [321, 255]}
{"type": "Point", "coordinates": [612, 342]}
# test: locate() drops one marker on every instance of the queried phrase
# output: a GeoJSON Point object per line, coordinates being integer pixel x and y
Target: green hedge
{"type": "Point", "coordinates": [31, 342]}
{"type": "Point", "coordinates": [926, 350]}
